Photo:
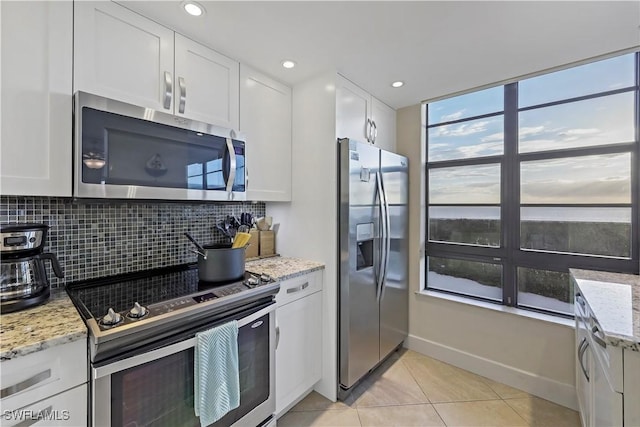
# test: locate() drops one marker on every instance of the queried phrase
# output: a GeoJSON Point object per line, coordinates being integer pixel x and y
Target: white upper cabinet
{"type": "Point", "coordinates": [362, 117]}
{"type": "Point", "coordinates": [125, 56]}
{"type": "Point", "coordinates": [265, 121]}
{"type": "Point", "coordinates": [353, 111]}
{"type": "Point", "coordinates": [122, 55]}
{"type": "Point", "coordinates": [36, 141]}
{"type": "Point", "coordinates": [206, 84]}
{"type": "Point", "coordinates": [384, 122]}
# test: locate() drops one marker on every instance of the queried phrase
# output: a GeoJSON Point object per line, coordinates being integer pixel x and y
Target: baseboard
{"type": "Point", "coordinates": [546, 388]}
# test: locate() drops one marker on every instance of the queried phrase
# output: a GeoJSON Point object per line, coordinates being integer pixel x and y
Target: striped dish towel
{"type": "Point", "coordinates": [216, 375]}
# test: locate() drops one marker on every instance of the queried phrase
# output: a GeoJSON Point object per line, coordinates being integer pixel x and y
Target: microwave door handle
{"type": "Point", "coordinates": [232, 166]}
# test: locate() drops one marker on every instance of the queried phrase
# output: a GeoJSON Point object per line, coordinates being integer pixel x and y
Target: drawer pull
{"type": "Point", "coordinates": [23, 385]}
{"type": "Point", "coordinates": [305, 285]}
{"type": "Point", "coordinates": [41, 416]}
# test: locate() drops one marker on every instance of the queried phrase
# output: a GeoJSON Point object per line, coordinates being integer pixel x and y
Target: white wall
{"type": "Point", "coordinates": [308, 225]}
{"type": "Point", "coordinates": [531, 354]}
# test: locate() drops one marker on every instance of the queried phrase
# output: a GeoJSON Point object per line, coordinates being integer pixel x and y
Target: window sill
{"type": "Point", "coordinates": [500, 308]}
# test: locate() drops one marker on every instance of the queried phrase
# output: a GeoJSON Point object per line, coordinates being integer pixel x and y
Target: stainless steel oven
{"type": "Point", "coordinates": [154, 386]}
{"type": "Point", "coordinates": [125, 151]}
{"type": "Point", "coordinates": [142, 329]}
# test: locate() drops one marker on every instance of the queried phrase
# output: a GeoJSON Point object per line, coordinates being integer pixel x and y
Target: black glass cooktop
{"type": "Point", "coordinates": [96, 297]}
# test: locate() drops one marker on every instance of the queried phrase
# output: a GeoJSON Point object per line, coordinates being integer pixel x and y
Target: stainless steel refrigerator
{"type": "Point", "coordinates": [373, 258]}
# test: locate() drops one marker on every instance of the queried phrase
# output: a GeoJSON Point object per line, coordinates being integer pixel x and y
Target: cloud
{"type": "Point", "coordinates": [579, 132]}
{"type": "Point", "coordinates": [478, 150]}
{"type": "Point", "coordinates": [452, 116]}
{"type": "Point", "coordinates": [463, 129]}
{"type": "Point", "coordinates": [493, 137]}
{"type": "Point", "coordinates": [526, 131]}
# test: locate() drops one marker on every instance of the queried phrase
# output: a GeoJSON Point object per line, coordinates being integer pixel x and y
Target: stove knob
{"type": "Point", "coordinates": [111, 318]}
{"type": "Point", "coordinates": [138, 311]}
{"type": "Point", "coordinates": [253, 281]}
{"type": "Point", "coordinates": [265, 278]}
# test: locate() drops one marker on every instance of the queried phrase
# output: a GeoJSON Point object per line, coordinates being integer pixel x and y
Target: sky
{"type": "Point", "coordinates": [590, 179]}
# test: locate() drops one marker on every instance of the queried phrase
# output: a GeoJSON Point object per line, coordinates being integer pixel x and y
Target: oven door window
{"type": "Point", "coordinates": [160, 392]}
{"type": "Point", "coordinates": [122, 150]}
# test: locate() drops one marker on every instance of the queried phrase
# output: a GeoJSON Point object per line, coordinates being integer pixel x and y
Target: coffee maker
{"type": "Point", "coordinates": [23, 277]}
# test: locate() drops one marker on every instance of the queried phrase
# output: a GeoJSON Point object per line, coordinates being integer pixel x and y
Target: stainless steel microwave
{"type": "Point", "coordinates": [123, 151]}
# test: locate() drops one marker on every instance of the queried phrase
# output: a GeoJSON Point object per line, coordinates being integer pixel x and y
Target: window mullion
{"type": "Point", "coordinates": [510, 194]}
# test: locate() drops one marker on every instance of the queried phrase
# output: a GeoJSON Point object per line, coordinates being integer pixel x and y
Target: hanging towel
{"type": "Point", "coordinates": [216, 375]}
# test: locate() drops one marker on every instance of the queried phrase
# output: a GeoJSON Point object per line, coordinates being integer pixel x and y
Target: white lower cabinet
{"type": "Point", "coordinates": [48, 386]}
{"type": "Point", "coordinates": [68, 408]}
{"type": "Point", "coordinates": [607, 377]}
{"type": "Point", "coordinates": [299, 323]}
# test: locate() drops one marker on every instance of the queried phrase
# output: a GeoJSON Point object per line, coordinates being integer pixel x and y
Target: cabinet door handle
{"type": "Point", "coordinates": [596, 338]}
{"type": "Point", "coordinates": [183, 94]}
{"type": "Point", "coordinates": [23, 385]}
{"type": "Point", "coordinates": [305, 285]}
{"type": "Point", "coordinates": [375, 132]}
{"type": "Point", "coordinates": [168, 89]}
{"type": "Point", "coordinates": [367, 130]}
{"type": "Point", "coordinates": [582, 349]}
{"type": "Point", "coordinates": [40, 416]}
{"type": "Point", "coordinates": [277, 336]}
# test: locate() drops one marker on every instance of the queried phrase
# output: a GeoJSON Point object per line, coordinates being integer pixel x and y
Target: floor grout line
{"type": "Point", "coordinates": [404, 382]}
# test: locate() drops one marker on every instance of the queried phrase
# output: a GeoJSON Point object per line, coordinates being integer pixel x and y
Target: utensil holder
{"type": "Point", "coordinates": [267, 242]}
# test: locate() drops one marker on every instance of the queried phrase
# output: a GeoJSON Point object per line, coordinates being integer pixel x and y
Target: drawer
{"type": "Point", "coordinates": [299, 287]}
{"type": "Point", "coordinates": [65, 409]}
{"type": "Point", "coordinates": [30, 378]}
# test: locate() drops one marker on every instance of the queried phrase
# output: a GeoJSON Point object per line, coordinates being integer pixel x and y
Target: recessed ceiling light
{"type": "Point", "coordinates": [288, 63]}
{"type": "Point", "coordinates": [193, 8]}
{"type": "Point", "coordinates": [397, 84]}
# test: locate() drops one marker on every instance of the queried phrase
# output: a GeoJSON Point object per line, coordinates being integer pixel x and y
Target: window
{"type": "Point", "coordinates": [529, 179]}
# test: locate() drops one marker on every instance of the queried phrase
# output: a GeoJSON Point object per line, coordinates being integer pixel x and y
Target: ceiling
{"type": "Point", "coordinates": [435, 47]}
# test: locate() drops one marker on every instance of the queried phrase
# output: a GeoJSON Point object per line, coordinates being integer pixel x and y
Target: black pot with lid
{"type": "Point", "coordinates": [23, 277]}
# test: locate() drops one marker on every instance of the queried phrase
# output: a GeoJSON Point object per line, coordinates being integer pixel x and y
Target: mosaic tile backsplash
{"type": "Point", "coordinates": [100, 238]}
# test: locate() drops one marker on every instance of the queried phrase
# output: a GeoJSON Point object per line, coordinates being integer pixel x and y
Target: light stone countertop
{"type": "Point", "coordinates": [614, 299]}
{"type": "Point", "coordinates": [53, 323]}
{"type": "Point", "coordinates": [283, 268]}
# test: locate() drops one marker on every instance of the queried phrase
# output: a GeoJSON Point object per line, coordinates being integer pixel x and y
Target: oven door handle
{"type": "Point", "coordinates": [140, 359]}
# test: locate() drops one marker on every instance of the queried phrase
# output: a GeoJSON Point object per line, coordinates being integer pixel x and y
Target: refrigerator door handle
{"type": "Point", "coordinates": [387, 240]}
{"type": "Point", "coordinates": [380, 279]}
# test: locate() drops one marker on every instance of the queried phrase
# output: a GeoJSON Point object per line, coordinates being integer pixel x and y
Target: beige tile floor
{"type": "Point", "coordinates": [411, 389]}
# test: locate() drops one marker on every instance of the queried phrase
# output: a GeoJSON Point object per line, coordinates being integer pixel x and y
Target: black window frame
{"type": "Point", "coordinates": [510, 255]}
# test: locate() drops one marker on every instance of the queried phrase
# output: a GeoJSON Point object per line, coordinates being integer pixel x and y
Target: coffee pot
{"type": "Point", "coordinates": [23, 277]}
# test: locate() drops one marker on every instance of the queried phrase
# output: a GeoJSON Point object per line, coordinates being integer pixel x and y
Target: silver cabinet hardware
{"type": "Point", "coordinates": [42, 415]}
{"type": "Point", "coordinates": [183, 94]}
{"type": "Point", "coordinates": [582, 348]}
{"type": "Point", "coordinates": [594, 331]}
{"type": "Point", "coordinates": [168, 89]}
{"type": "Point", "coordinates": [298, 288]}
{"type": "Point", "coordinates": [23, 385]}
{"type": "Point", "coordinates": [374, 133]}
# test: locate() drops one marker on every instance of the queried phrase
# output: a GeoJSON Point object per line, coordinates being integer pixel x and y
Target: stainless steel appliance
{"type": "Point", "coordinates": [141, 344]}
{"type": "Point", "coordinates": [23, 277]}
{"type": "Point", "coordinates": [124, 151]}
{"type": "Point", "coordinates": [373, 236]}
